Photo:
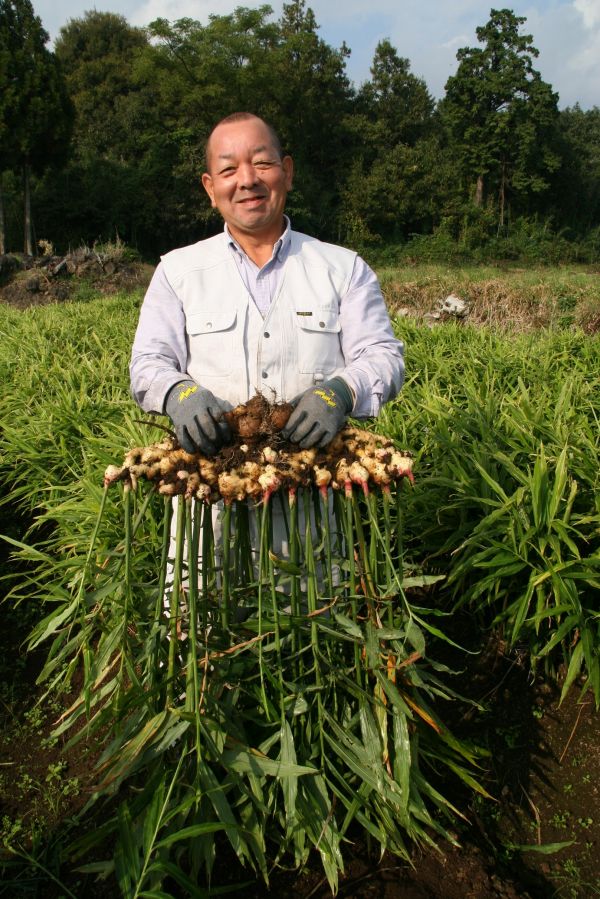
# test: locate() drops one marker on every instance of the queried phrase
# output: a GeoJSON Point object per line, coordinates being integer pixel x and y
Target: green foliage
{"type": "Point", "coordinates": [507, 436]}
{"type": "Point", "coordinates": [576, 186]}
{"type": "Point", "coordinates": [98, 54]}
{"type": "Point", "coordinates": [529, 241]}
{"type": "Point", "coordinates": [34, 106]}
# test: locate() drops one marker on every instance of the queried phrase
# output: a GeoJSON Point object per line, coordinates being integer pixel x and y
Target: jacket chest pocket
{"type": "Point", "coordinates": [211, 342]}
{"type": "Point", "coordinates": [318, 335]}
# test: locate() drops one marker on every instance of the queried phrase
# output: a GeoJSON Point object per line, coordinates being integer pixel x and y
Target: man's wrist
{"type": "Point", "coordinates": [344, 391]}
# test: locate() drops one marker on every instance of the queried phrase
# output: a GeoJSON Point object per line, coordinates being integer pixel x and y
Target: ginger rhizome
{"type": "Point", "coordinates": [259, 461]}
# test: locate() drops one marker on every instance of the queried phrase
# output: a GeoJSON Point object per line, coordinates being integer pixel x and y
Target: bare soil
{"type": "Point", "coordinates": [39, 281]}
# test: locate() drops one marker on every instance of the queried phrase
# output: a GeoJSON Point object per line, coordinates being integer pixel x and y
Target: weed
{"type": "Point", "coordinates": [35, 719]}
{"type": "Point", "coordinates": [560, 820]}
{"type": "Point", "coordinates": [10, 830]}
{"type": "Point", "coordinates": [571, 869]}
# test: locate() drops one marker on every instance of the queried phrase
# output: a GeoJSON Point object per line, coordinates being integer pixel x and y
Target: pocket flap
{"type": "Point", "coordinates": [209, 322]}
{"type": "Point", "coordinates": [323, 320]}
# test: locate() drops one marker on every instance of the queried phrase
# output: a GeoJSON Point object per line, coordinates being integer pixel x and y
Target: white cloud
{"type": "Point", "coordinates": [587, 62]}
{"type": "Point", "coordinates": [461, 40]}
{"type": "Point", "coordinates": [146, 12]}
{"type": "Point", "coordinates": [589, 10]}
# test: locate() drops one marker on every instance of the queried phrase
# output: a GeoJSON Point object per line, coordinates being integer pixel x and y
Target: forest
{"type": "Point", "coordinates": [103, 136]}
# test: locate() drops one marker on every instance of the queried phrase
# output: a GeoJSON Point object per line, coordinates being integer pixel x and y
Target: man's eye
{"type": "Point", "coordinates": [263, 164]}
{"type": "Point", "coordinates": [228, 170]}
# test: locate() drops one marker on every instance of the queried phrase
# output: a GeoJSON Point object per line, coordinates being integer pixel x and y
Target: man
{"type": "Point", "coordinates": [261, 308]}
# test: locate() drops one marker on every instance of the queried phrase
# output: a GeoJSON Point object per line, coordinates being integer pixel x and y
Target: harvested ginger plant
{"type": "Point", "coordinates": [259, 461]}
{"type": "Point", "coordinates": [258, 670]}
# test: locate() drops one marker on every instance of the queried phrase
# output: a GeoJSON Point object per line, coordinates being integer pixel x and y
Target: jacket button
{"type": "Point", "coordinates": [267, 334]}
{"type": "Point", "coordinates": [209, 324]}
{"type": "Point", "coordinates": [321, 324]}
{"type": "Point", "coordinates": [265, 374]}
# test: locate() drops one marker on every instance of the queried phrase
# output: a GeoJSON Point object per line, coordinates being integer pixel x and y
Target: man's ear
{"type": "Point", "coordinates": [287, 164]}
{"type": "Point", "coordinates": [208, 187]}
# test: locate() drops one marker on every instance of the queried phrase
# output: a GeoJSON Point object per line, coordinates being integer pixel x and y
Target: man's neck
{"type": "Point", "coordinates": [258, 248]}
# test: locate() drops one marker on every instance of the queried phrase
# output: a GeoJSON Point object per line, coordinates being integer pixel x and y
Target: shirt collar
{"type": "Point", "coordinates": [280, 247]}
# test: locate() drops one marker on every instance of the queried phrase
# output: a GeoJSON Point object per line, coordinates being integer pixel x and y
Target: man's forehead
{"type": "Point", "coordinates": [261, 148]}
{"type": "Point", "coordinates": [246, 136]}
{"type": "Point", "coordinates": [252, 131]}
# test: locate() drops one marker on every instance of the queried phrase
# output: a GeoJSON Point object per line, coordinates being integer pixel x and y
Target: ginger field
{"type": "Point", "coordinates": [447, 698]}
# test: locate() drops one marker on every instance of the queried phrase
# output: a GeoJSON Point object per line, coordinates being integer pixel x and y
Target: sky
{"type": "Point", "coordinates": [427, 32]}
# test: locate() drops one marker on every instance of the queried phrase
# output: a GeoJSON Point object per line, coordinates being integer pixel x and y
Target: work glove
{"type": "Point", "coordinates": [320, 412]}
{"type": "Point", "coordinates": [197, 416]}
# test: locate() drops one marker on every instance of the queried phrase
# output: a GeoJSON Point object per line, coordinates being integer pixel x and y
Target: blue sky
{"type": "Point", "coordinates": [427, 32]}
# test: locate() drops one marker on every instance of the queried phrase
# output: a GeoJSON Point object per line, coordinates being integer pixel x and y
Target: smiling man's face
{"type": "Point", "coordinates": [247, 180]}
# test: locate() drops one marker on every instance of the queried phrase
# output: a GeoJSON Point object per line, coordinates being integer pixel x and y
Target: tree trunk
{"type": "Point", "coordinates": [502, 200]}
{"type": "Point", "coordinates": [2, 230]}
{"type": "Point", "coordinates": [28, 231]}
{"type": "Point", "coordinates": [479, 191]}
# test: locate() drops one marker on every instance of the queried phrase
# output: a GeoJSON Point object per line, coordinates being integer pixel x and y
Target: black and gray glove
{"type": "Point", "coordinates": [319, 414]}
{"type": "Point", "coordinates": [197, 416]}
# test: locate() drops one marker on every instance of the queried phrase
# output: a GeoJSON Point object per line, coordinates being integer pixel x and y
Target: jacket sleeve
{"type": "Point", "coordinates": [374, 358]}
{"type": "Point", "coordinates": [159, 353]}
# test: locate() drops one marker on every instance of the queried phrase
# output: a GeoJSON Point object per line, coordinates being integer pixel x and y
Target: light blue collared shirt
{"type": "Point", "coordinates": [262, 283]}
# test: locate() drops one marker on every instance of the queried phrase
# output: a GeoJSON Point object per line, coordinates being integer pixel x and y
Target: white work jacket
{"type": "Point", "coordinates": [236, 353]}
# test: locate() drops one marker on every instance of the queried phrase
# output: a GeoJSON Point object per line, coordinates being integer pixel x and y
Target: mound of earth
{"type": "Point", "coordinates": [38, 280]}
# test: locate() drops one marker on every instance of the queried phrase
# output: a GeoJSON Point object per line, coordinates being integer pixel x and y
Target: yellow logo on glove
{"type": "Point", "coordinates": [327, 396]}
{"type": "Point", "coordinates": [186, 392]}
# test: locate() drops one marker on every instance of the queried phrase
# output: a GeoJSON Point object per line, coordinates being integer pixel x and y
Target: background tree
{"type": "Point", "coordinates": [502, 116]}
{"type": "Point", "coordinates": [310, 102]}
{"type": "Point", "coordinates": [101, 191]}
{"type": "Point", "coordinates": [98, 53]}
{"type": "Point", "coordinates": [577, 184]}
{"type": "Point", "coordinates": [379, 164]}
{"type": "Point", "coordinates": [393, 189]}
{"type": "Point", "coordinates": [35, 110]}
{"type": "Point", "coordinates": [396, 103]}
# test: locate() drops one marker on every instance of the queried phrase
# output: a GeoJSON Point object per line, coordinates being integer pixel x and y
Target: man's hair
{"type": "Point", "coordinates": [242, 117]}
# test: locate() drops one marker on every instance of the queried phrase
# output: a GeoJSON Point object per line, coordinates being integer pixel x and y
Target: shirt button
{"type": "Point", "coordinates": [209, 324]}
{"type": "Point", "coordinates": [321, 324]}
{"type": "Point", "coordinates": [265, 374]}
{"type": "Point", "coordinates": [267, 334]}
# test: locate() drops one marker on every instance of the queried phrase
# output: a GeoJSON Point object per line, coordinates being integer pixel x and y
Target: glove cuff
{"type": "Point", "coordinates": [343, 391]}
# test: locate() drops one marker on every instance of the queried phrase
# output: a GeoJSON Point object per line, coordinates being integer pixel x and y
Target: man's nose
{"type": "Point", "coordinates": [247, 175]}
